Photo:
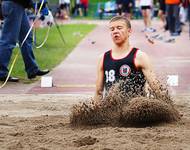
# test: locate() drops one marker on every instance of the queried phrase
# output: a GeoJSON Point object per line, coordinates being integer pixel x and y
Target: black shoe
{"type": "Point", "coordinates": [10, 79]}
{"type": "Point", "coordinates": [38, 73]}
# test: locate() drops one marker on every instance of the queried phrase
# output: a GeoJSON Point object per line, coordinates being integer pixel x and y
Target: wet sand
{"type": "Point", "coordinates": [41, 122]}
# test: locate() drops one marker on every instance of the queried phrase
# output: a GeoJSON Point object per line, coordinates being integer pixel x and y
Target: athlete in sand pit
{"type": "Point", "coordinates": [123, 62]}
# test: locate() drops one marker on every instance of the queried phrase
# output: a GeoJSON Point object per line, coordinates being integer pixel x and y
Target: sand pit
{"type": "Point", "coordinates": [120, 108]}
{"type": "Point", "coordinates": [41, 122]}
{"type": "Point", "coordinates": [124, 111]}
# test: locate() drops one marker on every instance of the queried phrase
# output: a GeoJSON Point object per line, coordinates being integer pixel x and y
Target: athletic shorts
{"type": "Point", "coordinates": [145, 7]}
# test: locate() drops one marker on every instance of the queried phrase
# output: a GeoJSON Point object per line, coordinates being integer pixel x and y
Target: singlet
{"type": "Point", "coordinates": [123, 69]}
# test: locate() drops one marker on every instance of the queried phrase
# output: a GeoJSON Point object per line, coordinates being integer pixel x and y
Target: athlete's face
{"type": "Point", "coordinates": [119, 32]}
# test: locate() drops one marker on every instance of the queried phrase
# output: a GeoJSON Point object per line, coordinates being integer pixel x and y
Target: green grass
{"type": "Point", "coordinates": [54, 51]}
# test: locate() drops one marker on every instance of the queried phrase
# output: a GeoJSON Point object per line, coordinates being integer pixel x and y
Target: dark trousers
{"type": "Point", "coordinates": [172, 16]}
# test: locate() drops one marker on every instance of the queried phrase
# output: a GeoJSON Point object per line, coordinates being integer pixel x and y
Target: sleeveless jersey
{"type": "Point", "coordinates": [125, 70]}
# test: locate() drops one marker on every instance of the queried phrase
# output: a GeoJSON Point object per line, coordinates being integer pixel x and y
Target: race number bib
{"type": "Point", "coordinates": [110, 76]}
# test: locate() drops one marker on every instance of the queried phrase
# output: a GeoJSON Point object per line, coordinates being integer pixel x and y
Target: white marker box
{"type": "Point", "coordinates": [46, 81]}
{"type": "Point", "coordinates": [173, 80]}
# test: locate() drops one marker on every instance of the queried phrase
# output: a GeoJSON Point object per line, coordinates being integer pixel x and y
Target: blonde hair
{"type": "Point", "coordinates": [123, 18]}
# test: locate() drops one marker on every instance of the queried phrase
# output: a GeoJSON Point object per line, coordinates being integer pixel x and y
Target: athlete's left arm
{"type": "Point", "coordinates": [143, 62]}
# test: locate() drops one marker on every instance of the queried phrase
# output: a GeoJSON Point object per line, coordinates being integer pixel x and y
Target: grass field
{"type": "Point", "coordinates": [54, 51]}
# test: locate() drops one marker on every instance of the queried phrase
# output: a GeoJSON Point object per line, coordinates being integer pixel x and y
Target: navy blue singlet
{"type": "Point", "coordinates": [123, 69]}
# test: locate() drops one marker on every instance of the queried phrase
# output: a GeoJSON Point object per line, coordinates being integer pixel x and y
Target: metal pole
{"type": "Point", "coordinates": [58, 29]}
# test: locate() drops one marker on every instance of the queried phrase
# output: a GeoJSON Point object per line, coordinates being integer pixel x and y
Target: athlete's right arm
{"type": "Point", "coordinates": [99, 80]}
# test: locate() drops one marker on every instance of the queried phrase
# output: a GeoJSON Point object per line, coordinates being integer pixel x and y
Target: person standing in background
{"type": "Point", "coordinates": [84, 5]}
{"type": "Point", "coordinates": [162, 12]}
{"type": "Point", "coordinates": [119, 6]}
{"type": "Point", "coordinates": [127, 8]}
{"type": "Point", "coordinates": [146, 6]}
{"type": "Point", "coordinates": [15, 28]}
{"type": "Point", "coordinates": [172, 16]}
